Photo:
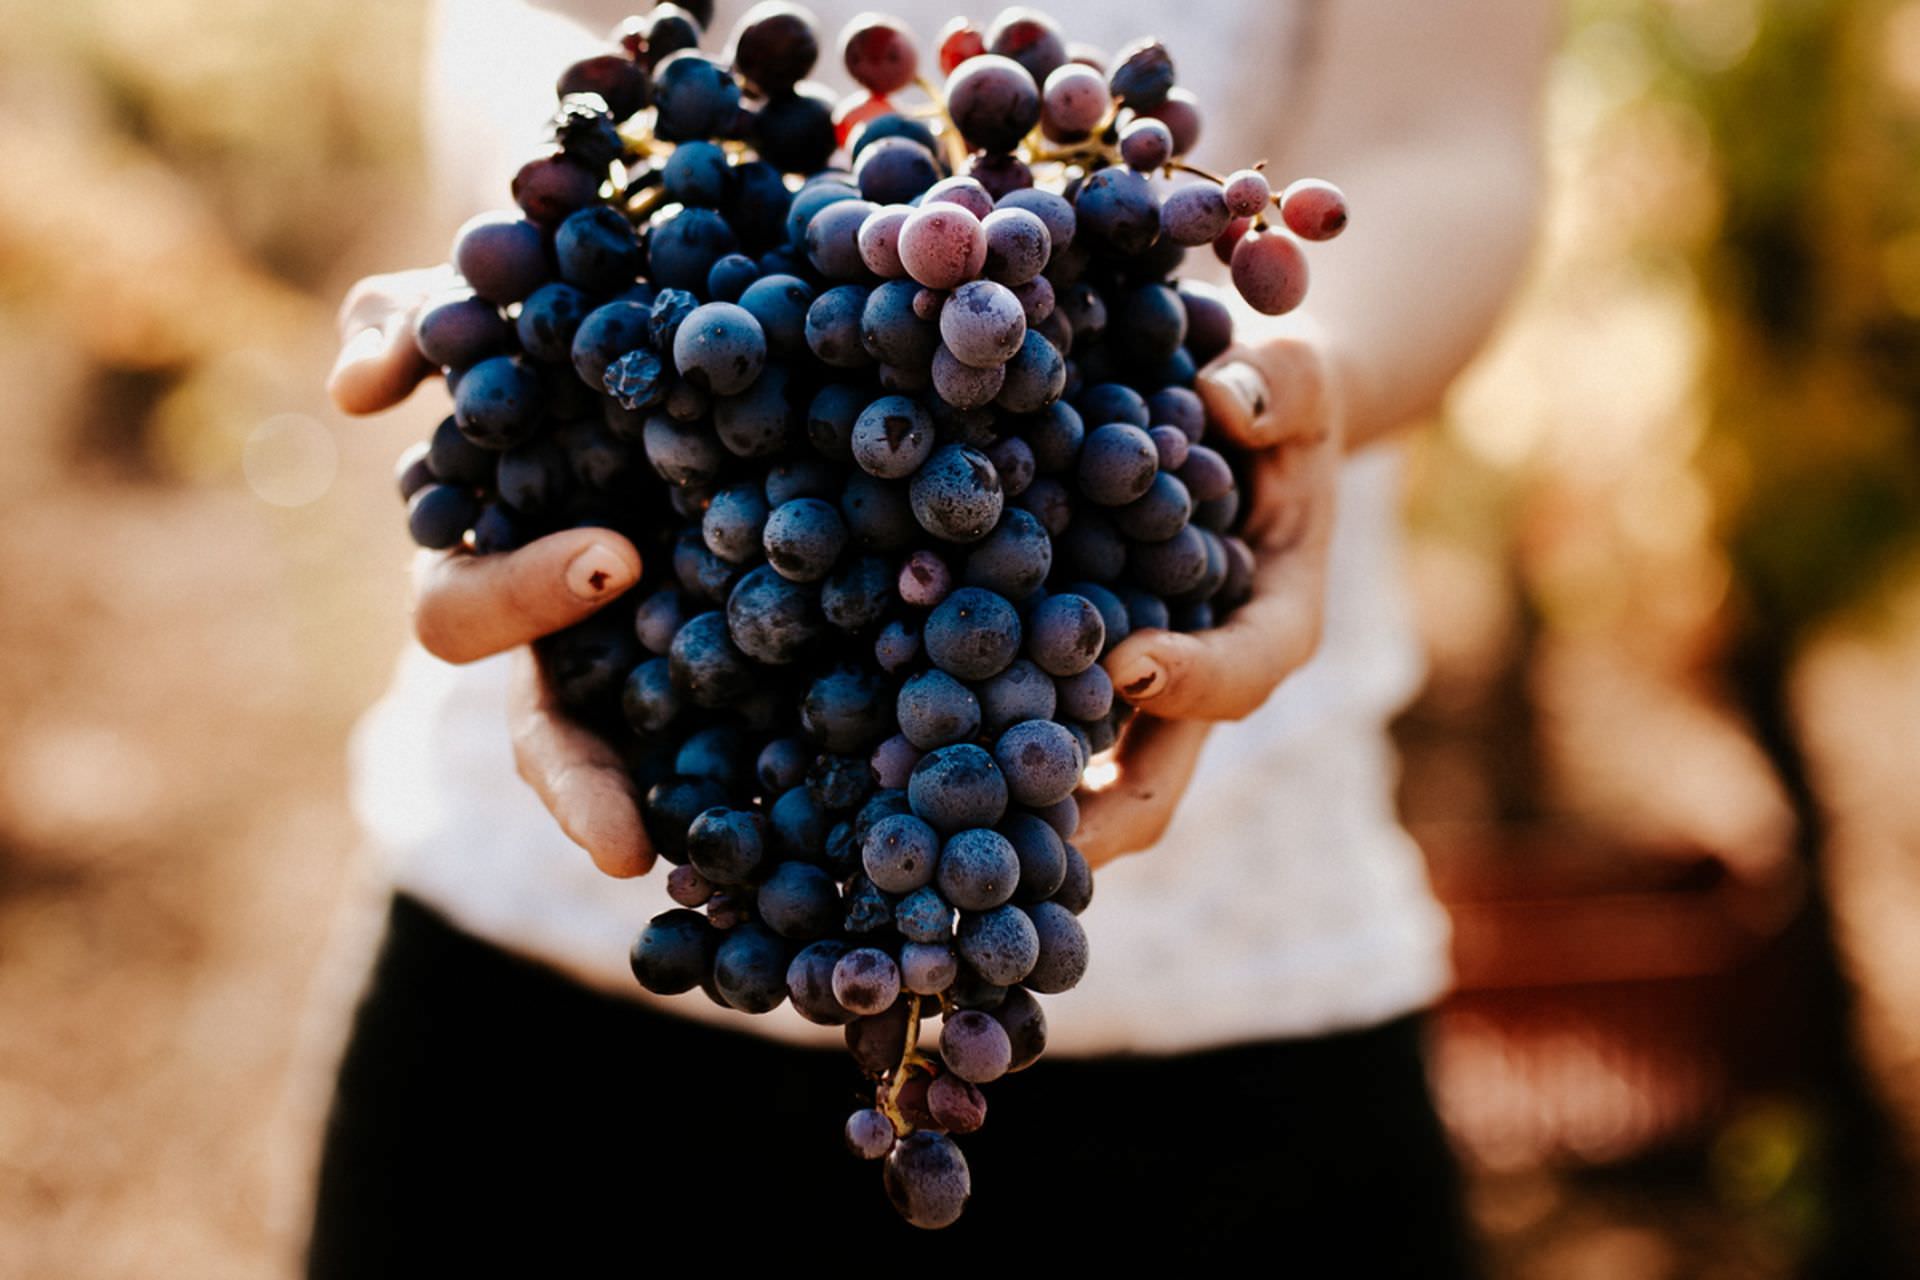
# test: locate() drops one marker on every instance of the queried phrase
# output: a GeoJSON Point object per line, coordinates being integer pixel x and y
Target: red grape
{"type": "Point", "coordinates": [879, 53]}
{"type": "Point", "coordinates": [1314, 210]}
{"type": "Point", "coordinates": [1270, 271]}
{"type": "Point", "coordinates": [960, 40]}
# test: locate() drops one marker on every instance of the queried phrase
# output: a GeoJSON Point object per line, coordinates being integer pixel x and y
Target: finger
{"type": "Point", "coordinates": [1267, 393]}
{"type": "Point", "coordinates": [1154, 762]}
{"type": "Point", "coordinates": [468, 607]}
{"type": "Point", "coordinates": [580, 779]}
{"type": "Point", "coordinates": [378, 366]}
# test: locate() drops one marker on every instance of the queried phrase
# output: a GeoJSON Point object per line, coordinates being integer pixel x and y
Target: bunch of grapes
{"type": "Point", "coordinates": [907, 444]}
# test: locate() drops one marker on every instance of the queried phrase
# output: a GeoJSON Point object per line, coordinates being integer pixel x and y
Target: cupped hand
{"type": "Point", "coordinates": [468, 607]}
{"type": "Point", "coordinates": [1278, 398]}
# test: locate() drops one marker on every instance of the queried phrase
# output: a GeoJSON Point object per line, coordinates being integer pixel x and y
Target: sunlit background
{"type": "Point", "coordinates": [1666, 766]}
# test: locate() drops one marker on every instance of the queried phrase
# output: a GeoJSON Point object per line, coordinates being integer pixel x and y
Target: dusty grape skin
{"type": "Point", "coordinates": [1025, 1023]}
{"type": "Point", "coordinates": [934, 709]}
{"type": "Point", "coordinates": [1034, 377]}
{"type": "Point", "coordinates": [1117, 208]}
{"type": "Point", "coordinates": [975, 1047]}
{"type": "Point", "coordinates": [958, 1106]}
{"type": "Point", "coordinates": [928, 968]}
{"type": "Point", "coordinates": [927, 1179]}
{"type": "Point", "coordinates": [1073, 103]}
{"type": "Point", "coordinates": [963, 386]}
{"type": "Point", "coordinates": [879, 241]}
{"type": "Point", "coordinates": [1040, 761]}
{"type": "Point", "coordinates": [1014, 559]}
{"type": "Point", "coordinates": [892, 437]}
{"type": "Point", "coordinates": [869, 1134]}
{"type": "Point", "coordinates": [958, 787]}
{"type": "Point", "coordinates": [956, 496]}
{"type": "Point", "coordinates": [866, 981]}
{"type": "Point", "coordinates": [1021, 692]}
{"type": "Point", "coordinates": [1146, 144]}
{"type": "Point", "coordinates": [994, 102]}
{"type": "Point", "coordinates": [900, 853]}
{"type": "Point", "coordinates": [1063, 949]}
{"type": "Point", "coordinates": [1246, 193]}
{"type": "Point", "coordinates": [942, 245]}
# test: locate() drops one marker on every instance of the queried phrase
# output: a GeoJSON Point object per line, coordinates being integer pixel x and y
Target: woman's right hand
{"type": "Point", "coordinates": [468, 607]}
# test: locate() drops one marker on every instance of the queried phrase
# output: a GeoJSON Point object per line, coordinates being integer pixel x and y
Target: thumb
{"type": "Point", "coordinates": [1267, 393]}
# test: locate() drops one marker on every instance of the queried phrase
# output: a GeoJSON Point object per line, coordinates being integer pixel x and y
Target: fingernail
{"type": "Point", "coordinates": [599, 572]}
{"type": "Point", "coordinates": [1145, 680]}
{"type": "Point", "coordinates": [1245, 386]}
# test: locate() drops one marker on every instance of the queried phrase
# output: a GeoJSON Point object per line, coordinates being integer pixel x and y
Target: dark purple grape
{"type": "Point", "coordinates": [620, 82]}
{"type": "Point", "coordinates": [550, 187]}
{"type": "Point", "coordinates": [975, 1047]}
{"type": "Point", "coordinates": [1117, 464]}
{"type": "Point", "coordinates": [994, 102]}
{"type": "Point", "coordinates": [438, 516]}
{"type": "Point", "coordinates": [974, 634]}
{"type": "Point", "coordinates": [771, 619]}
{"type": "Point", "coordinates": [1015, 558]}
{"type": "Point", "coordinates": [933, 710]}
{"type": "Point", "coordinates": [958, 787]}
{"type": "Point", "coordinates": [1021, 692]}
{"type": "Point", "coordinates": [876, 1043]}
{"type": "Point", "coordinates": [833, 327]}
{"type": "Point", "coordinates": [801, 902]}
{"type": "Point", "coordinates": [869, 1134]}
{"type": "Point", "coordinates": [650, 702]}
{"type": "Point", "coordinates": [750, 968]}
{"type": "Point", "coordinates": [1180, 113]}
{"type": "Point", "coordinates": [1117, 209]}
{"type": "Point", "coordinates": [696, 97]}
{"type": "Point", "coordinates": [1146, 145]}
{"type": "Point", "coordinates": [847, 709]}
{"type": "Point", "coordinates": [706, 664]}
{"type": "Point", "coordinates": [665, 31]}
{"type": "Point", "coordinates": [1066, 634]}
{"type": "Point", "coordinates": [696, 175]}
{"type": "Point", "coordinates": [867, 981]}
{"type": "Point", "coordinates": [895, 171]}
{"type": "Point", "coordinates": [1142, 75]}
{"type": "Point", "coordinates": [1030, 38]}
{"type": "Point", "coordinates": [780, 304]}
{"type": "Point", "coordinates": [794, 130]}
{"type": "Point", "coordinates": [1021, 1017]}
{"type": "Point", "coordinates": [548, 319]}
{"type": "Point", "coordinates": [497, 404]}
{"type": "Point", "coordinates": [963, 386]}
{"type": "Point", "coordinates": [774, 46]}
{"type": "Point", "coordinates": [893, 760]}
{"type": "Point", "coordinates": [673, 953]}
{"type": "Point", "coordinates": [983, 324]}
{"type": "Point", "coordinates": [999, 173]}
{"type": "Point", "coordinates": [688, 887]}
{"type": "Point", "coordinates": [1041, 762]}
{"type": "Point", "coordinates": [810, 986]}
{"type": "Point", "coordinates": [928, 968]}
{"type": "Point", "coordinates": [957, 1105]}
{"type": "Point", "coordinates": [927, 1179]}
{"type": "Point", "coordinates": [460, 331]}
{"type": "Point", "coordinates": [892, 330]}
{"type": "Point", "coordinates": [957, 496]}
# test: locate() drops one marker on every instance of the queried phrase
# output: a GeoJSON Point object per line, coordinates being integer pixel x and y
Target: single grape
{"type": "Point", "coordinates": [1146, 144]}
{"type": "Point", "coordinates": [1195, 214]}
{"type": "Point", "coordinates": [895, 171]}
{"type": "Point", "coordinates": [927, 1179]}
{"type": "Point", "coordinates": [688, 887]}
{"type": "Point", "coordinates": [673, 952]}
{"type": "Point", "coordinates": [697, 175]}
{"type": "Point", "coordinates": [619, 82]}
{"type": "Point", "coordinates": [957, 787]}
{"type": "Point", "coordinates": [942, 245]}
{"type": "Point", "coordinates": [795, 131]}
{"type": "Point", "coordinates": [1314, 210]}
{"type": "Point", "coordinates": [899, 853]}
{"type": "Point", "coordinates": [879, 53]}
{"type": "Point", "coordinates": [1030, 38]}
{"type": "Point", "coordinates": [1040, 761]}
{"type": "Point", "coordinates": [1180, 113]}
{"type": "Point", "coordinates": [869, 1134]}
{"type": "Point", "coordinates": [974, 634]}
{"type": "Point", "coordinates": [750, 968]}
{"type": "Point", "coordinates": [994, 102]}
{"type": "Point", "coordinates": [957, 1105]}
{"type": "Point", "coordinates": [983, 324]}
{"type": "Point", "coordinates": [956, 496]}
{"type": "Point", "coordinates": [1025, 1023]}
{"type": "Point", "coordinates": [1074, 103]}
{"type": "Point", "coordinates": [866, 981]}
{"type": "Point", "coordinates": [438, 516]}
{"type": "Point", "coordinates": [460, 330]}
{"type": "Point", "coordinates": [773, 620]}
{"type": "Point", "coordinates": [960, 40]}
{"type": "Point", "coordinates": [774, 46]}
{"type": "Point", "coordinates": [1247, 193]}
{"type": "Point", "coordinates": [879, 241]}
{"type": "Point", "coordinates": [696, 97]}
{"type": "Point", "coordinates": [975, 1047]}
{"type": "Point", "coordinates": [893, 760]}
{"type": "Point", "coordinates": [801, 902]}
{"type": "Point", "coordinates": [963, 191]}
{"type": "Point", "coordinates": [1142, 75]}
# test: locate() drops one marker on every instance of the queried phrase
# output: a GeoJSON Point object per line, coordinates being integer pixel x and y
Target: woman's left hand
{"type": "Point", "coordinates": [1280, 398]}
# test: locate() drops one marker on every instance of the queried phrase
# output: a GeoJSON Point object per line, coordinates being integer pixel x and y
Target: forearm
{"type": "Point", "coordinates": [1442, 232]}
{"type": "Point", "coordinates": [1427, 116]}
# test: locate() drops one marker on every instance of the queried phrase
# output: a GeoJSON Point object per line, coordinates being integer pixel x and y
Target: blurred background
{"type": "Point", "coordinates": [1664, 545]}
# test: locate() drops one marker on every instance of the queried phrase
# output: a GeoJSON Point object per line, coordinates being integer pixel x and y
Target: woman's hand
{"type": "Point", "coordinates": [468, 607]}
{"type": "Point", "coordinates": [1279, 398]}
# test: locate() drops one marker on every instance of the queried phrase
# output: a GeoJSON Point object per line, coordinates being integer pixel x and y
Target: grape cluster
{"type": "Point", "coordinates": [907, 444]}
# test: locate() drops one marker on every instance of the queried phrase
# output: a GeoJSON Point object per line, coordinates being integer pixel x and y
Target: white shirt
{"type": "Point", "coordinates": [1284, 900]}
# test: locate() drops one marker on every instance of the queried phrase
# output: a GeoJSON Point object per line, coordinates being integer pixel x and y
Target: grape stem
{"type": "Point", "coordinates": [910, 1057]}
{"type": "Point", "coordinates": [642, 207]}
{"type": "Point", "coordinates": [1181, 166]}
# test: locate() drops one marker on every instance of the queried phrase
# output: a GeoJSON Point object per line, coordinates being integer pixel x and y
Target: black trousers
{"type": "Point", "coordinates": [492, 1117]}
